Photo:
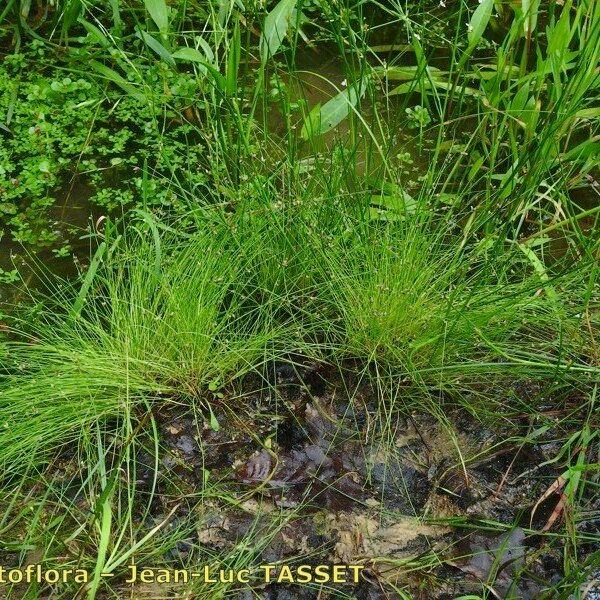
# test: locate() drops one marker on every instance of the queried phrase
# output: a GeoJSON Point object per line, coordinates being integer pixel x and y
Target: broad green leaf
{"type": "Point", "coordinates": [312, 123]}
{"type": "Point", "coordinates": [530, 10]}
{"type": "Point", "coordinates": [538, 241]}
{"type": "Point", "coordinates": [88, 280]}
{"type": "Point", "coordinates": [409, 73]}
{"type": "Point", "coordinates": [219, 80]}
{"type": "Point", "coordinates": [24, 7]}
{"type": "Point", "coordinates": [409, 86]}
{"type": "Point", "coordinates": [95, 32]}
{"type": "Point", "coordinates": [484, 244]}
{"type": "Point", "coordinates": [194, 56]}
{"type": "Point", "coordinates": [486, 72]}
{"type": "Point", "coordinates": [540, 269]}
{"type": "Point", "coordinates": [214, 423]}
{"type": "Point", "coordinates": [479, 21]}
{"type": "Point", "coordinates": [391, 48]}
{"type": "Point", "coordinates": [225, 8]}
{"type": "Point", "coordinates": [104, 512]}
{"type": "Point", "coordinates": [190, 54]}
{"type": "Point", "coordinates": [420, 56]}
{"type": "Point", "coordinates": [155, 45]}
{"type": "Point", "coordinates": [531, 114]}
{"type": "Point", "coordinates": [205, 65]}
{"type": "Point", "coordinates": [323, 118]}
{"type": "Point", "coordinates": [524, 109]}
{"type": "Point", "coordinates": [380, 214]}
{"type": "Point", "coordinates": [392, 207]}
{"type": "Point", "coordinates": [475, 166]}
{"type": "Point", "coordinates": [275, 27]}
{"type": "Point", "coordinates": [71, 14]}
{"type": "Point", "coordinates": [583, 151]}
{"type": "Point", "coordinates": [210, 55]}
{"type": "Point", "coordinates": [520, 100]}
{"type": "Point", "coordinates": [508, 181]}
{"type": "Point", "coordinates": [113, 76]}
{"type": "Point", "coordinates": [402, 202]}
{"type": "Point", "coordinates": [149, 219]}
{"type": "Point", "coordinates": [159, 12]}
{"type": "Point", "coordinates": [588, 113]}
{"type": "Point", "coordinates": [559, 36]}
{"type": "Point", "coordinates": [116, 15]}
{"type": "Point", "coordinates": [567, 61]}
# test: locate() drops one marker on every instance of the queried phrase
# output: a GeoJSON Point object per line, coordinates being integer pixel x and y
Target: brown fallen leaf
{"type": "Point", "coordinates": [554, 488]}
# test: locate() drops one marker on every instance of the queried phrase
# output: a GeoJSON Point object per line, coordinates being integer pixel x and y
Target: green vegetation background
{"type": "Point", "coordinates": [404, 190]}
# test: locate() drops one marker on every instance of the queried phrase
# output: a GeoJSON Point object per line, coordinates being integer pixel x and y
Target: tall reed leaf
{"type": "Point", "coordinates": [159, 13]}
{"type": "Point", "coordinates": [479, 21]}
{"type": "Point", "coordinates": [156, 46]}
{"type": "Point", "coordinates": [323, 118]}
{"type": "Point", "coordinates": [275, 28]}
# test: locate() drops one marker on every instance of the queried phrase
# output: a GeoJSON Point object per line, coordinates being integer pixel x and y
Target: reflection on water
{"type": "Point", "coordinates": [320, 75]}
{"type": "Point", "coordinates": [71, 218]}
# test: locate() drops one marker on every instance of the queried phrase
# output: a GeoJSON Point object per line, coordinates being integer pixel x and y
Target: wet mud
{"type": "Point", "coordinates": [437, 508]}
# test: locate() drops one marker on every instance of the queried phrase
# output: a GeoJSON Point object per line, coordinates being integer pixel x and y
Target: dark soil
{"type": "Point", "coordinates": [440, 509]}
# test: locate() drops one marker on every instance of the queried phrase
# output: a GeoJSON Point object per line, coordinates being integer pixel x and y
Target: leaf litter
{"type": "Point", "coordinates": [408, 509]}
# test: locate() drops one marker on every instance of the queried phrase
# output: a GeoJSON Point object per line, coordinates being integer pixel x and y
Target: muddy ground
{"type": "Point", "coordinates": [439, 509]}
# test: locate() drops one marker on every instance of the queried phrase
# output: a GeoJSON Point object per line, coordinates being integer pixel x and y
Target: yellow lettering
{"type": "Point", "coordinates": [268, 570]}
{"type": "Point", "coordinates": [51, 576]}
{"type": "Point", "coordinates": [303, 574]}
{"type": "Point", "coordinates": [147, 576]}
{"type": "Point", "coordinates": [81, 576]}
{"type": "Point", "coordinates": [180, 576]}
{"type": "Point", "coordinates": [226, 576]}
{"type": "Point", "coordinates": [285, 575]}
{"type": "Point", "coordinates": [163, 576]}
{"type": "Point", "coordinates": [339, 574]}
{"type": "Point", "coordinates": [356, 569]}
{"type": "Point", "coordinates": [15, 576]}
{"type": "Point", "coordinates": [321, 574]}
{"type": "Point", "coordinates": [132, 574]}
{"type": "Point", "coordinates": [243, 576]}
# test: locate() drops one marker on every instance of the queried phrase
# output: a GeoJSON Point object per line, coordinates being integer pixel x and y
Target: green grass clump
{"type": "Point", "coordinates": [410, 300]}
{"type": "Point", "coordinates": [162, 319]}
{"type": "Point", "coordinates": [405, 192]}
{"type": "Point", "coordinates": [179, 317]}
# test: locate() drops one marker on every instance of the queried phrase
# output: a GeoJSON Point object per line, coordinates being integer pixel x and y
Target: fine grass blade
{"type": "Point", "coordinates": [89, 278]}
